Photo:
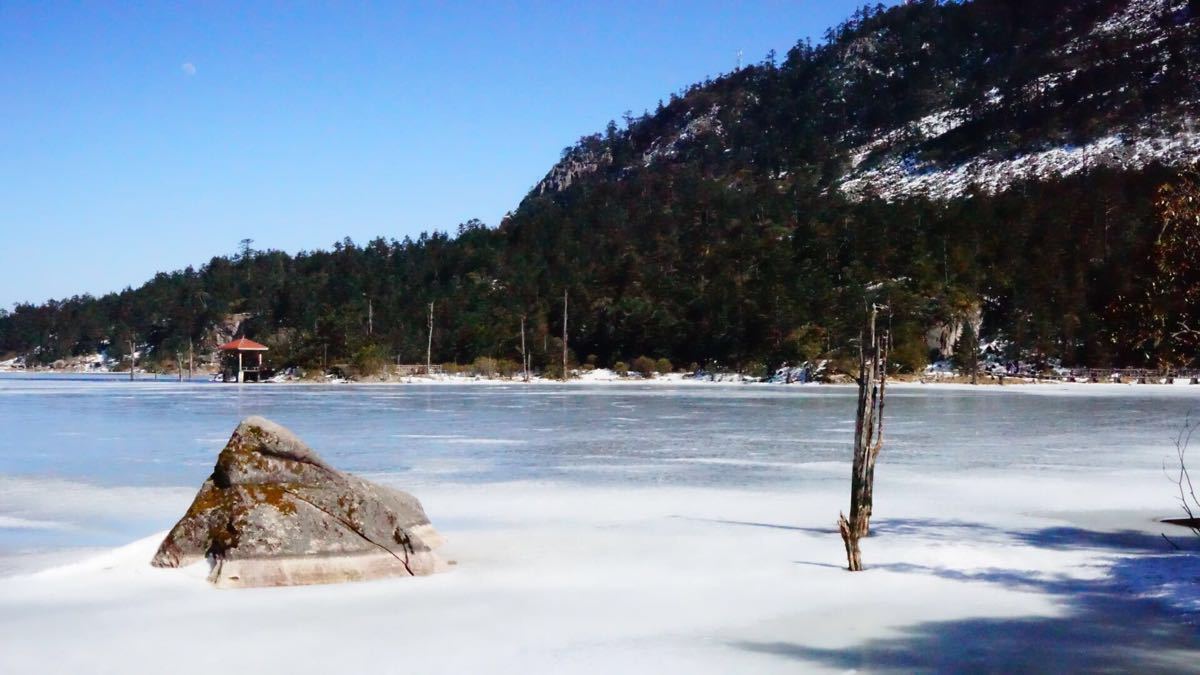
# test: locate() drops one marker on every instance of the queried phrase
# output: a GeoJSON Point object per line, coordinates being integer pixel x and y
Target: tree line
{"type": "Point", "coordinates": [680, 267]}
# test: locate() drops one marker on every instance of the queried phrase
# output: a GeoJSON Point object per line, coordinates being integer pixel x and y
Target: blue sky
{"type": "Point", "coordinates": [145, 139]}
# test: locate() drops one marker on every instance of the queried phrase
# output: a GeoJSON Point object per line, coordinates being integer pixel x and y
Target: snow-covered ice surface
{"type": "Point", "coordinates": [617, 529]}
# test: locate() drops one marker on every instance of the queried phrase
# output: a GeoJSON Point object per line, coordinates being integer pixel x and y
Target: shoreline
{"type": "Point", "coordinates": [672, 380]}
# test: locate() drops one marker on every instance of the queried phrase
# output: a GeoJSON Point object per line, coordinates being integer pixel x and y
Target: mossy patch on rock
{"type": "Point", "coordinates": [274, 513]}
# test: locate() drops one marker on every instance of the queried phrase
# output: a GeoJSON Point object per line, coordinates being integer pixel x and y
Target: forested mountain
{"type": "Point", "coordinates": [998, 157]}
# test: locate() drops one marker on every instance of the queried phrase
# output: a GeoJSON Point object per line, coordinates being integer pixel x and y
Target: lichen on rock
{"type": "Point", "coordinates": [273, 513]}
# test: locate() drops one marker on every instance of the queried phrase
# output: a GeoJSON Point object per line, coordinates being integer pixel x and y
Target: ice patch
{"type": "Point", "coordinates": [17, 523]}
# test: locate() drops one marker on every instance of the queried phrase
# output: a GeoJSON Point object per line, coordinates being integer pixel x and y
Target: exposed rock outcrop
{"type": "Point", "coordinates": [273, 513]}
{"type": "Point", "coordinates": [943, 337]}
{"type": "Point", "coordinates": [580, 161]}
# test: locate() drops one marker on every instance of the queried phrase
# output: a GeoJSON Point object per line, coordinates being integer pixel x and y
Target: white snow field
{"type": "Point", "coordinates": [618, 529]}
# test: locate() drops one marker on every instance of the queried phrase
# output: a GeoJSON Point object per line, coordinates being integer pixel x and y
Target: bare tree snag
{"type": "Point", "coordinates": [973, 360]}
{"type": "Point", "coordinates": [868, 440]}
{"type": "Point", "coordinates": [564, 358]}
{"type": "Point", "coordinates": [524, 354]}
{"type": "Point", "coordinates": [429, 345]}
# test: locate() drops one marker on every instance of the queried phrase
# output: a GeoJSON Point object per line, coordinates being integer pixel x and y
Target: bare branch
{"type": "Point", "coordinates": [1183, 480]}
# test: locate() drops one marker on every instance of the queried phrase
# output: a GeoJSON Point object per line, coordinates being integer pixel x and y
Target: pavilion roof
{"type": "Point", "coordinates": [242, 345]}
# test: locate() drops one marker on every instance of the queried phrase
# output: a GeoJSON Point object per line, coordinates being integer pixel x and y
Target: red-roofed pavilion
{"type": "Point", "coordinates": [241, 347]}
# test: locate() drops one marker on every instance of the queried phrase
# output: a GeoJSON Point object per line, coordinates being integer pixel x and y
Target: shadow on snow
{"type": "Point", "coordinates": [1119, 623]}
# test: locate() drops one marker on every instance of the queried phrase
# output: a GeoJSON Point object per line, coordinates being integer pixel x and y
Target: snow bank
{"type": "Point", "coordinates": [570, 579]}
{"type": "Point", "coordinates": [579, 377]}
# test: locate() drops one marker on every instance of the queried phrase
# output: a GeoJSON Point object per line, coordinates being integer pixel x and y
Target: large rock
{"type": "Point", "coordinates": [273, 513]}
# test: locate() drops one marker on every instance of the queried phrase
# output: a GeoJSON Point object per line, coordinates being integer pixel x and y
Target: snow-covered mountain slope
{"type": "Point", "coordinates": [899, 176]}
{"type": "Point", "coordinates": [1135, 40]}
{"type": "Point", "coordinates": [935, 99]}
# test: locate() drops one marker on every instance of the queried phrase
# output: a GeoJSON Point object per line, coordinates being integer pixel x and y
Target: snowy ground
{"type": "Point", "coordinates": [996, 571]}
{"type": "Point", "coordinates": [1016, 530]}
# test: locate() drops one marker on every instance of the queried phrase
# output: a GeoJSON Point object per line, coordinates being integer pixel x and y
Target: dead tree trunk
{"type": "Point", "coordinates": [524, 355]}
{"type": "Point", "coordinates": [973, 360]}
{"type": "Point", "coordinates": [564, 355]}
{"type": "Point", "coordinates": [132, 359]}
{"type": "Point", "coordinates": [429, 344]}
{"type": "Point", "coordinates": [868, 440]}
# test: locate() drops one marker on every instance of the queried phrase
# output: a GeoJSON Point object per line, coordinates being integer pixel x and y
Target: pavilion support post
{"type": "Point", "coordinates": [241, 375]}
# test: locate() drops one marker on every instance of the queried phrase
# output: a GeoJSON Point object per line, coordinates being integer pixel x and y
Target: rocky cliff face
{"type": "Point", "coordinates": [577, 162]}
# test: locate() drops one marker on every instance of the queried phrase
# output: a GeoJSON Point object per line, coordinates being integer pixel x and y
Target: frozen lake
{"type": "Point", "coordinates": [105, 432]}
{"type": "Point", "coordinates": [108, 431]}
{"type": "Point", "coordinates": [636, 528]}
